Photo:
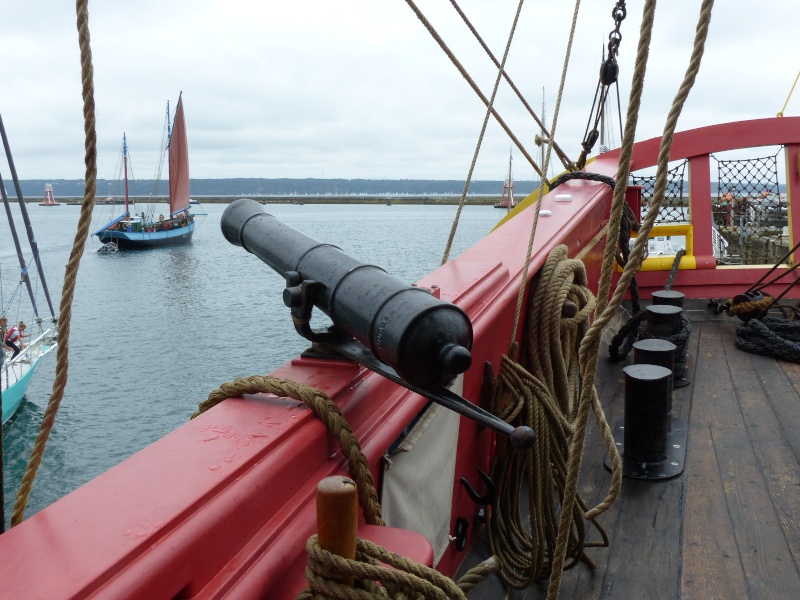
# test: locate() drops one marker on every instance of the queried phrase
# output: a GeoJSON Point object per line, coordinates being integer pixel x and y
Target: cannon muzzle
{"type": "Point", "coordinates": [425, 340]}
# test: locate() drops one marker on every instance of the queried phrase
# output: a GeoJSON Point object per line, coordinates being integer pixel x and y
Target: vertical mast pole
{"type": "Point", "coordinates": [28, 229]}
{"type": "Point", "coordinates": [125, 166]}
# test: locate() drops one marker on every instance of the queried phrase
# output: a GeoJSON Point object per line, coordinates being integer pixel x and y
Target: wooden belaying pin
{"type": "Point", "coordinates": [337, 517]}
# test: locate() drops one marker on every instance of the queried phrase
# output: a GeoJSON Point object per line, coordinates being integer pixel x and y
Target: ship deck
{"type": "Point", "coordinates": [729, 525]}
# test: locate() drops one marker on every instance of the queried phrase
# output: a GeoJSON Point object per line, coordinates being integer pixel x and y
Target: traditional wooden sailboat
{"type": "Point", "coordinates": [226, 505]}
{"type": "Point", "coordinates": [141, 230]}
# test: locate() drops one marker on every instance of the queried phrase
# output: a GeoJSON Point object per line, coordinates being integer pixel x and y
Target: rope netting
{"type": "Point", "coordinates": [750, 210]}
{"type": "Point", "coordinates": [675, 208]}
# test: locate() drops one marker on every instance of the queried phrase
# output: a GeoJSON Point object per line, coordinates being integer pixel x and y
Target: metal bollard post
{"type": "Point", "coordinates": [652, 444]}
{"type": "Point", "coordinates": [653, 351]}
{"type": "Point", "coordinates": [666, 321]}
{"type": "Point", "coordinates": [668, 297]}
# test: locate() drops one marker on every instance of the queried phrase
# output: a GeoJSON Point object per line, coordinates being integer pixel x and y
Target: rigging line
{"type": "Point", "coordinates": [473, 85]}
{"type": "Point", "coordinates": [26, 220]}
{"type": "Point", "coordinates": [25, 278]}
{"type": "Point", "coordinates": [540, 122]}
{"type": "Point", "coordinates": [483, 132]}
{"type": "Point", "coordinates": [791, 91]}
{"type": "Point", "coordinates": [544, 182]}
{"type": "Point", "coordinates": [71, 271]}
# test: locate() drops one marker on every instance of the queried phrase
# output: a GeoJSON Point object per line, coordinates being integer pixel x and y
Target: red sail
{"type": "Point", "coordinates": [178, 163]}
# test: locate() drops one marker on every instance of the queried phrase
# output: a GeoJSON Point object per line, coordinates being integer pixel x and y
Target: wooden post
{"type": "Point", "coordinates": [337, 517]}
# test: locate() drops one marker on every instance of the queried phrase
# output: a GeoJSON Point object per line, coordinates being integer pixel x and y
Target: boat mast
{"type": "Point", "coordinates": [28, 230]}
{"type": "Point", "coordinates": [510, 182]}
{"type": "Point", "coordinates": [125, 166]}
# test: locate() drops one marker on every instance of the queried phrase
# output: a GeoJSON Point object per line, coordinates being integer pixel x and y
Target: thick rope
{"type": "Point", "coordinates": [561, 155]}
{"type": "Point", "coordinates": [380, 574]}
{"type": "Point", "coordinates": [589, 347]}
{"type": "Point", "coordinates": [544, 398]}
{"type": "Point", "coordinates": [330, 414]}
{"type": "Point", "coordinates": [71, 272]}
{"type": "Point", "coordinates": [770, 336]}
{"type": "Point", "coordinates": [489, 108]}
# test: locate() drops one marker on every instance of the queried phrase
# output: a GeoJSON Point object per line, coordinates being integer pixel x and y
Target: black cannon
{"type": "Point", "coordinates": [400, 331]}
{"type": "Point", "coordinates": [424, 339]}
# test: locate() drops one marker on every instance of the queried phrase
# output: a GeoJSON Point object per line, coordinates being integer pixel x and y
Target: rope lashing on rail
{"type": "Point", "coordinates": [544, 395]}
{"type": "Point", "coordinates": [380, 574]}
{"type": "Point", "coordinates": [330, 414]}
{"type": "Point", "coordinates": [324, 568]}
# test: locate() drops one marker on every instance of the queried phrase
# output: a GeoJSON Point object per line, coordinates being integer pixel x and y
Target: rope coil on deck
{"type": "Point", "coordinates": [770, 336]}
{"type": "Point", "coordinates": [544, 395]}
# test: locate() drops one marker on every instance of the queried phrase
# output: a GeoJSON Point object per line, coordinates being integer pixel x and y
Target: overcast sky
{"type": "Point", "coordinates": [357, 88]}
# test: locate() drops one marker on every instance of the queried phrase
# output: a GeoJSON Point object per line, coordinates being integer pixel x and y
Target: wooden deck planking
{"type": "Point", "coordinates": [711, 567]}
{"type": "Point", "coordinates": [729, 526]}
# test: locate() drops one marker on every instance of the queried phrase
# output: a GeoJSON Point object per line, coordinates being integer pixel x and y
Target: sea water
{"type": "Point", "coordinates": [154, 332]}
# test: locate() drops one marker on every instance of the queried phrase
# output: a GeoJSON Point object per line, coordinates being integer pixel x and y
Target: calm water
{"type": "Point", "coordinates": [154, 332]}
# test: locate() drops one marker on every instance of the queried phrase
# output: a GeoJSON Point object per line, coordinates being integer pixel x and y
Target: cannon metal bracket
{"type": "Point", "coordinates": [521, 437]}
{"type": "Point", "coordinates": [299, 298]}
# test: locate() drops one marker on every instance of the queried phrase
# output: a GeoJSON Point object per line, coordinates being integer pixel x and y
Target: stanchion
{"type": "Point", "coordinates": [337, 517]}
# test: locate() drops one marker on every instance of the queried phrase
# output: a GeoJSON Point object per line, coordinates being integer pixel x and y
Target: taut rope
{"type": "Point", "coordinates": [71, 273]}
{"type": "Point", "coordinates": [472, 83]}
{"type": "Point", "coordinates": [564, 159]}
{"type": "Point", "coordinates": [489, 109]}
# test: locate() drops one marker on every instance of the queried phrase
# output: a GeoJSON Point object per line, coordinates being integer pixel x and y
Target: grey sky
{"type": "Point", "coordinates": [358, 89]}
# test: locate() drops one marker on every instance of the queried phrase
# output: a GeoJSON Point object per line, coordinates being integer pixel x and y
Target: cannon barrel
{"type": "Point", "coordinates": [425, 340]}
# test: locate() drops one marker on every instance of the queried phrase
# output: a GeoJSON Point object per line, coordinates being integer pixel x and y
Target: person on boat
{"type": "Point", "coordinates": [13, 338]}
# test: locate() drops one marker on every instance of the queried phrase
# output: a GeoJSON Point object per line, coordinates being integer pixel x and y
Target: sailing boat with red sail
{"type": "Point", "coordinates": [140, 229]}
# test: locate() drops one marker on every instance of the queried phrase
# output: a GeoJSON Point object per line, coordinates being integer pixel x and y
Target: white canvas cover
{"type": "Point", "coordinates": [418, 478]}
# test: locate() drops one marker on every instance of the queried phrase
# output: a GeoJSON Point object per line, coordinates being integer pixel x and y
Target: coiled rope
{"type": "Point", "coordinates": [71, 272]}
{"type": "Point", "coordinates": [770, 336]}
{"type": "Point", "coordinates": [545, 397]}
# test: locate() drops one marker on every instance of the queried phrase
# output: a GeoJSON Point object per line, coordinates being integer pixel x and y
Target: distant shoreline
{"type": "Point", "coordinates": [386, 199]}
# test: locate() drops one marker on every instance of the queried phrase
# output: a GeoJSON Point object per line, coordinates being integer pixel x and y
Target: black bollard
{"type": "Point", "coordinates": [652, 445]}
{"type": "Point", "coordinates": [653, 351]}
{"type": "Point", "coordinates": [663, 320]}
{"type": "Point", "coordinates": [668, 297]}
{"type": "Point", "coordinates": [646, 413]}
{"type": "Point", "coordinates": [666, 321]}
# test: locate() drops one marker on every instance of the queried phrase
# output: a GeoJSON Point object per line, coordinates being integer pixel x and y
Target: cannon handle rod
{"type": "Point", "coordinates": [521, 437]}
